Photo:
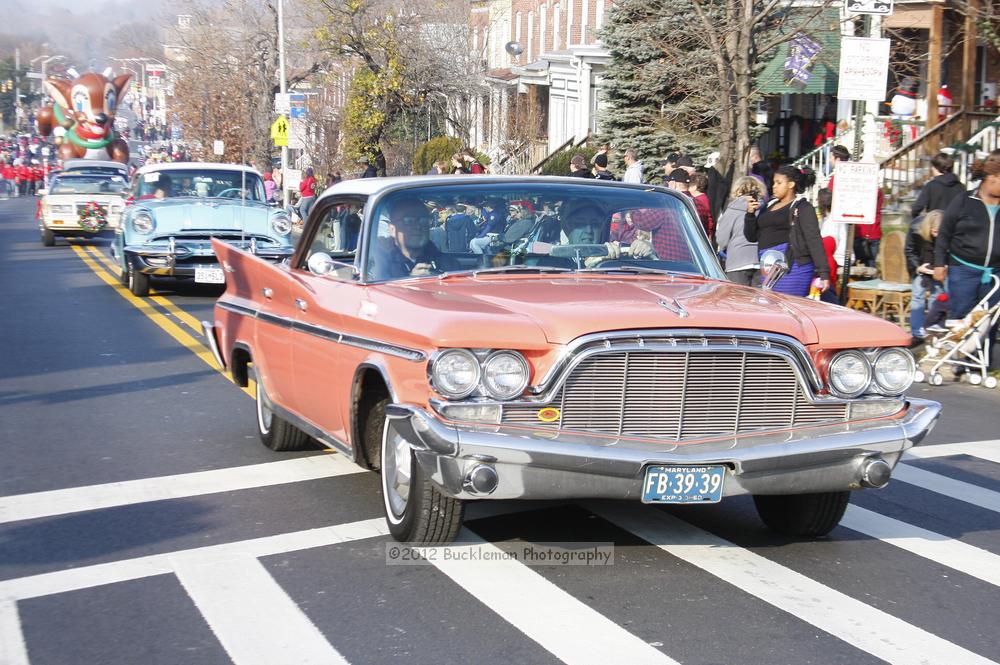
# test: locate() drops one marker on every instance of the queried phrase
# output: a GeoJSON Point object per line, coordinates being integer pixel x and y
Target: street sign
{"type": "Point", "coordinates": [877, 7]}
{"type": "Point", "coordinates": [855, 192]}
{"type": "Point", "coordinates": [218, 148]}
{"type": "Point", "coordinates": [296, 134]}
{"type": "Point", "coordinates": [297, 103]}
{"type": "Point", "coordinates": [282, 103]}
{"type": "Point", "coordinates": [34, 75]}
{"type": "Point", "coordinates": [864, 68]}
{"type": "Point", "coordinates": [279, 131]}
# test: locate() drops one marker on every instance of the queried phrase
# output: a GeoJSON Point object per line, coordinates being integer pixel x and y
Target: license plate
{"type": "Point", "coordinates": [57, 221]}
{"type": "Point", "coordinates": [683, 484]}
{"type": "Point", "coordinates": [209, 276]}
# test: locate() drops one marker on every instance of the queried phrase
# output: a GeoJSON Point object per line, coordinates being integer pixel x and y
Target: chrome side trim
{"type": "Point", "coordinates": [208, 330]}
{"type": "Point", "coordinates": [366, 343]}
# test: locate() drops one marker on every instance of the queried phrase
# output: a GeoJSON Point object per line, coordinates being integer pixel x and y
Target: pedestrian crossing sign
{"type": "Point", "coordinates": [279, 131]}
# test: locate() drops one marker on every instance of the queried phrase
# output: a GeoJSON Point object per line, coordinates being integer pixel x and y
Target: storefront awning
{"type": "Point", "coordinates": [824, 30]}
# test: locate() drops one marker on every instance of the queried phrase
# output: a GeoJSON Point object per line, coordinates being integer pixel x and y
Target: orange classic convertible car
{"type": "Point", "coordinates": [535, 338]}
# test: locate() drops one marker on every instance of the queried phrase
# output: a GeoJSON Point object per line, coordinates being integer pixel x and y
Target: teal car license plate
{"type": "Point", "coordinates": [683, 484]}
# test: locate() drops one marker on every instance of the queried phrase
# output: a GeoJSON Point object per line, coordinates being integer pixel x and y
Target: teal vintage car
{"type": "Point", "coordinates": [174, 210]}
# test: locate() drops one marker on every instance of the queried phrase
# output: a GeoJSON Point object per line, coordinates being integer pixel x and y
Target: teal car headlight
{"type": "Point", "coordinates": [281, 224]}
{"type": "Point", "coordinates": [143, 223]}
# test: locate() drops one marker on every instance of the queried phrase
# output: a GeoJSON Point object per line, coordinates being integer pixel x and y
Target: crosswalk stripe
{"type": "Point", "coordinates": [861, 625]}
{"type": "Point", "coordinates": [936, 547]}
{"type": "Point", "coordinates": [571, 630]}
{"type": "Point", "coordinates": [987, 450]}
{"type": "Point", "coordinates": [956, 489]}
{"type": "Point", "coordinates": [13, 650]}
{"type": "Point", "coordinates": [85, 577]}
{"type": "Point", "coordinates": [253, 618]}
{"type": "Point", "coordinates": [93, 497]}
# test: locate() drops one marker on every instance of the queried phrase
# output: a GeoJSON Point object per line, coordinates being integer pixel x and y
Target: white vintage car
{"type": "Point", "coordinates": [80, 205]}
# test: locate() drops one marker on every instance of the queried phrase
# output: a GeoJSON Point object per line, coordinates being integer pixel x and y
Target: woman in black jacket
{"type": "Point", "coordinates": [967, 250]}
{"type": "Point", "coordinates": [919, 259]}
{"type": "Point", "coordinates": [789, 225]}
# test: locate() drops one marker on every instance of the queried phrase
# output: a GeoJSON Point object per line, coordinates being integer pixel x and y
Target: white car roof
{"type": "Point", "coordinates": [202, 166]}
{"type": "Point", "coordinates": [369, 186]}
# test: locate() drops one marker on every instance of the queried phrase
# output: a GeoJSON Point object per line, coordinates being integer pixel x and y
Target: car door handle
{"type": "Point", "coordinates": [301, 304]}
{"type": "Point", "coordinates": [267, 293]}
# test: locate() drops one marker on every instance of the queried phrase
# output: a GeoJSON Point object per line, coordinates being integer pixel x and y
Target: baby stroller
{"type": "Point", "coordinates": [966, 347]}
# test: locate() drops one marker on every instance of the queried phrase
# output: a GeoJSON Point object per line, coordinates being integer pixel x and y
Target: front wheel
{"type": "Point", "coordinates": [415, 510]}
{"type": "Point", "coordinates": [138, 282]}
{"type": "Point", "coordinates": [808, 515]}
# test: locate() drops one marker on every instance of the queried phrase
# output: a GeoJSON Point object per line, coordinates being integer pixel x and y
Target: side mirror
{"type": "Point", "coordinates": [772, 267]}
{"type": "Point", "coordinates": [320, 263]}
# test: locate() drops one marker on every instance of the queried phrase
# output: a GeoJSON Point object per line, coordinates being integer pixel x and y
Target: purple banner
{"type": "Point", "coordinates": [802, 54]}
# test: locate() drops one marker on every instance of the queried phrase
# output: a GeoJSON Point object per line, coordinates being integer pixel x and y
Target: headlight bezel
{"type": "Point", "coordinates": [494, 357]}
{"type": "Point", "coordinates": [911, 370]}
{"type": "Point", "coordinates": [142, 214]}
{"type": "Point", "coordinates": [866, 363]}
{"type": "Point", "coordinates": [436, 374]}
{"type": "Point", "coordinates": [281, 217]}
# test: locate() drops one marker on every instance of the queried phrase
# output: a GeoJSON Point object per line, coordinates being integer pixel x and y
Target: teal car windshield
{"type": "Point", "coordinates": [200, 183]}
{"type": "Point", "coordinates": [82, 184]}
{"type": "Point", "coordinates": [534, 226]}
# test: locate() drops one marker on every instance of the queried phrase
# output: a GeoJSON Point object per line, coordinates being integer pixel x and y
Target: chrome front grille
{"type": "Point", "coordinates": [680, 395]}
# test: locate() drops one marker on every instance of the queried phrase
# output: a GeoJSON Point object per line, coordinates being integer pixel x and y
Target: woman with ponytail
{"type": "Point", "coordinates": [789, 225]}
{"type": "Point", "coordinates": [967, 250]}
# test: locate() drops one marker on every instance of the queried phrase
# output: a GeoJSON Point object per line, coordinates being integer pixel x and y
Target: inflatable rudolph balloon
{"type": "Point", "coordinates": [85, 107]}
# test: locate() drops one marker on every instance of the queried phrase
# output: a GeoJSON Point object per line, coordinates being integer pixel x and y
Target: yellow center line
{"type": "Point", "coordinates": [168, 326]}
{"type": "Point", "coordinates": [173, 309]}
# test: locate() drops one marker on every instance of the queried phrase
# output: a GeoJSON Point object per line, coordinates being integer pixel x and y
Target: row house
{"type": "Point", "coordinates": [543, 64]}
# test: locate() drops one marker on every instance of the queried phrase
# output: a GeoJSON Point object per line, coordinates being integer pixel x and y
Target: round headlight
{"type": "Point", "coordinates": [505, 374]}
{"type": "Point", "coordinates": [894, 370]}
{"type": "Point", "coordinates": [456, 373]}
{"type": "Point", "coordinates": [143, 223]}
{"type": "Point", "coordinates": [281, 225]}
{"type": "Point", "coordinates": [850, 373]}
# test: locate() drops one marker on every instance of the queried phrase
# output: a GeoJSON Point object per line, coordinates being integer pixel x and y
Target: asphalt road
{"type": "Point", "coordinates": [142, 522]}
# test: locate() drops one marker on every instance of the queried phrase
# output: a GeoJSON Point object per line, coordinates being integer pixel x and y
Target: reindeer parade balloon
{"type": "Point", "coordinates": [85, 107]}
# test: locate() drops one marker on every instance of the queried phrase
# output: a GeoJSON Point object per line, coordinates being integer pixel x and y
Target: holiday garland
{"type": "Point", "coordinates": [93, 217]}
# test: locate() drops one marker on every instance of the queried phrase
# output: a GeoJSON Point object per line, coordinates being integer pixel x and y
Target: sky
{"type": "Point", "coordinates": [80, 28]}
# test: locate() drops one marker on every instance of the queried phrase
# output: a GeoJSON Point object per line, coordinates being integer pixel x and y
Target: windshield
{"type": "Point", "coordinates": [83, 184]}
{"type": "Point", "coordinates": [202, 183]}
{"type": "Point", "coordinates": [497, 226]}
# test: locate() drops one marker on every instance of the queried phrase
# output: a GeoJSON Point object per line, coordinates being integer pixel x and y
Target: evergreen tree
{"type": "Point", "coordinates": [658, 89]}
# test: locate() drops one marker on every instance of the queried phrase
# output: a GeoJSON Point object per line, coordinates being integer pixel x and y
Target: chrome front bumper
{"type": "Point", "coordinates": [178, 259]}
{"type": "Point", "coordinates": [815, 459]}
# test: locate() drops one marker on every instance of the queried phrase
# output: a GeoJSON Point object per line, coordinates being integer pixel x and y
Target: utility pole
{"type": "Point", "coordinates": [17, 88]}
{"type": "Point", "coordinates": [283, 83]}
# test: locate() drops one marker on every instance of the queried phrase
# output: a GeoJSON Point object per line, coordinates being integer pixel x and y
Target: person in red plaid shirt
{"type": "Point", "coordinates": [657, 229]}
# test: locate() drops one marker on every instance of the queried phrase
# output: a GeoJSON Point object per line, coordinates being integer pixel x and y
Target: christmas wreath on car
{"type": "Point", "coordinates": [93, 217]}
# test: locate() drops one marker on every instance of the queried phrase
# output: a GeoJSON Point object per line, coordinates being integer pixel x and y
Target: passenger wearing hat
{"type": "Point", "coordinates": [686, 163]}
{"type": "Point", "coordinates": [369, 171]}
{"type": "Point", "coordinates": [668, 164]}
{"type": "Point", "coordinates": [578, 167]}
{"type": "Point", "coordinates": [679, 180]}
{"type": "Point", "coordinates": [601, 171]}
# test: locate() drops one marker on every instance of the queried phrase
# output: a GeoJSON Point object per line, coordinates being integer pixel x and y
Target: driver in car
{"type": "Point", "coordinates": [408, 251]}
{"type": "Point", "coordinates": [587, 222]}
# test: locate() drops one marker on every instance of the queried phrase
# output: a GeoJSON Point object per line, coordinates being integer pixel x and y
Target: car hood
{"type": "Point", "coordinates": [565, 307]}
{"type": "Point", "coordinates": [203, 214]}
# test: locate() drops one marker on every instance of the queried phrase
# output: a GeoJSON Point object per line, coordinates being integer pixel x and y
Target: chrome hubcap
{"type": "Point", "coordinates": [397, 466]}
